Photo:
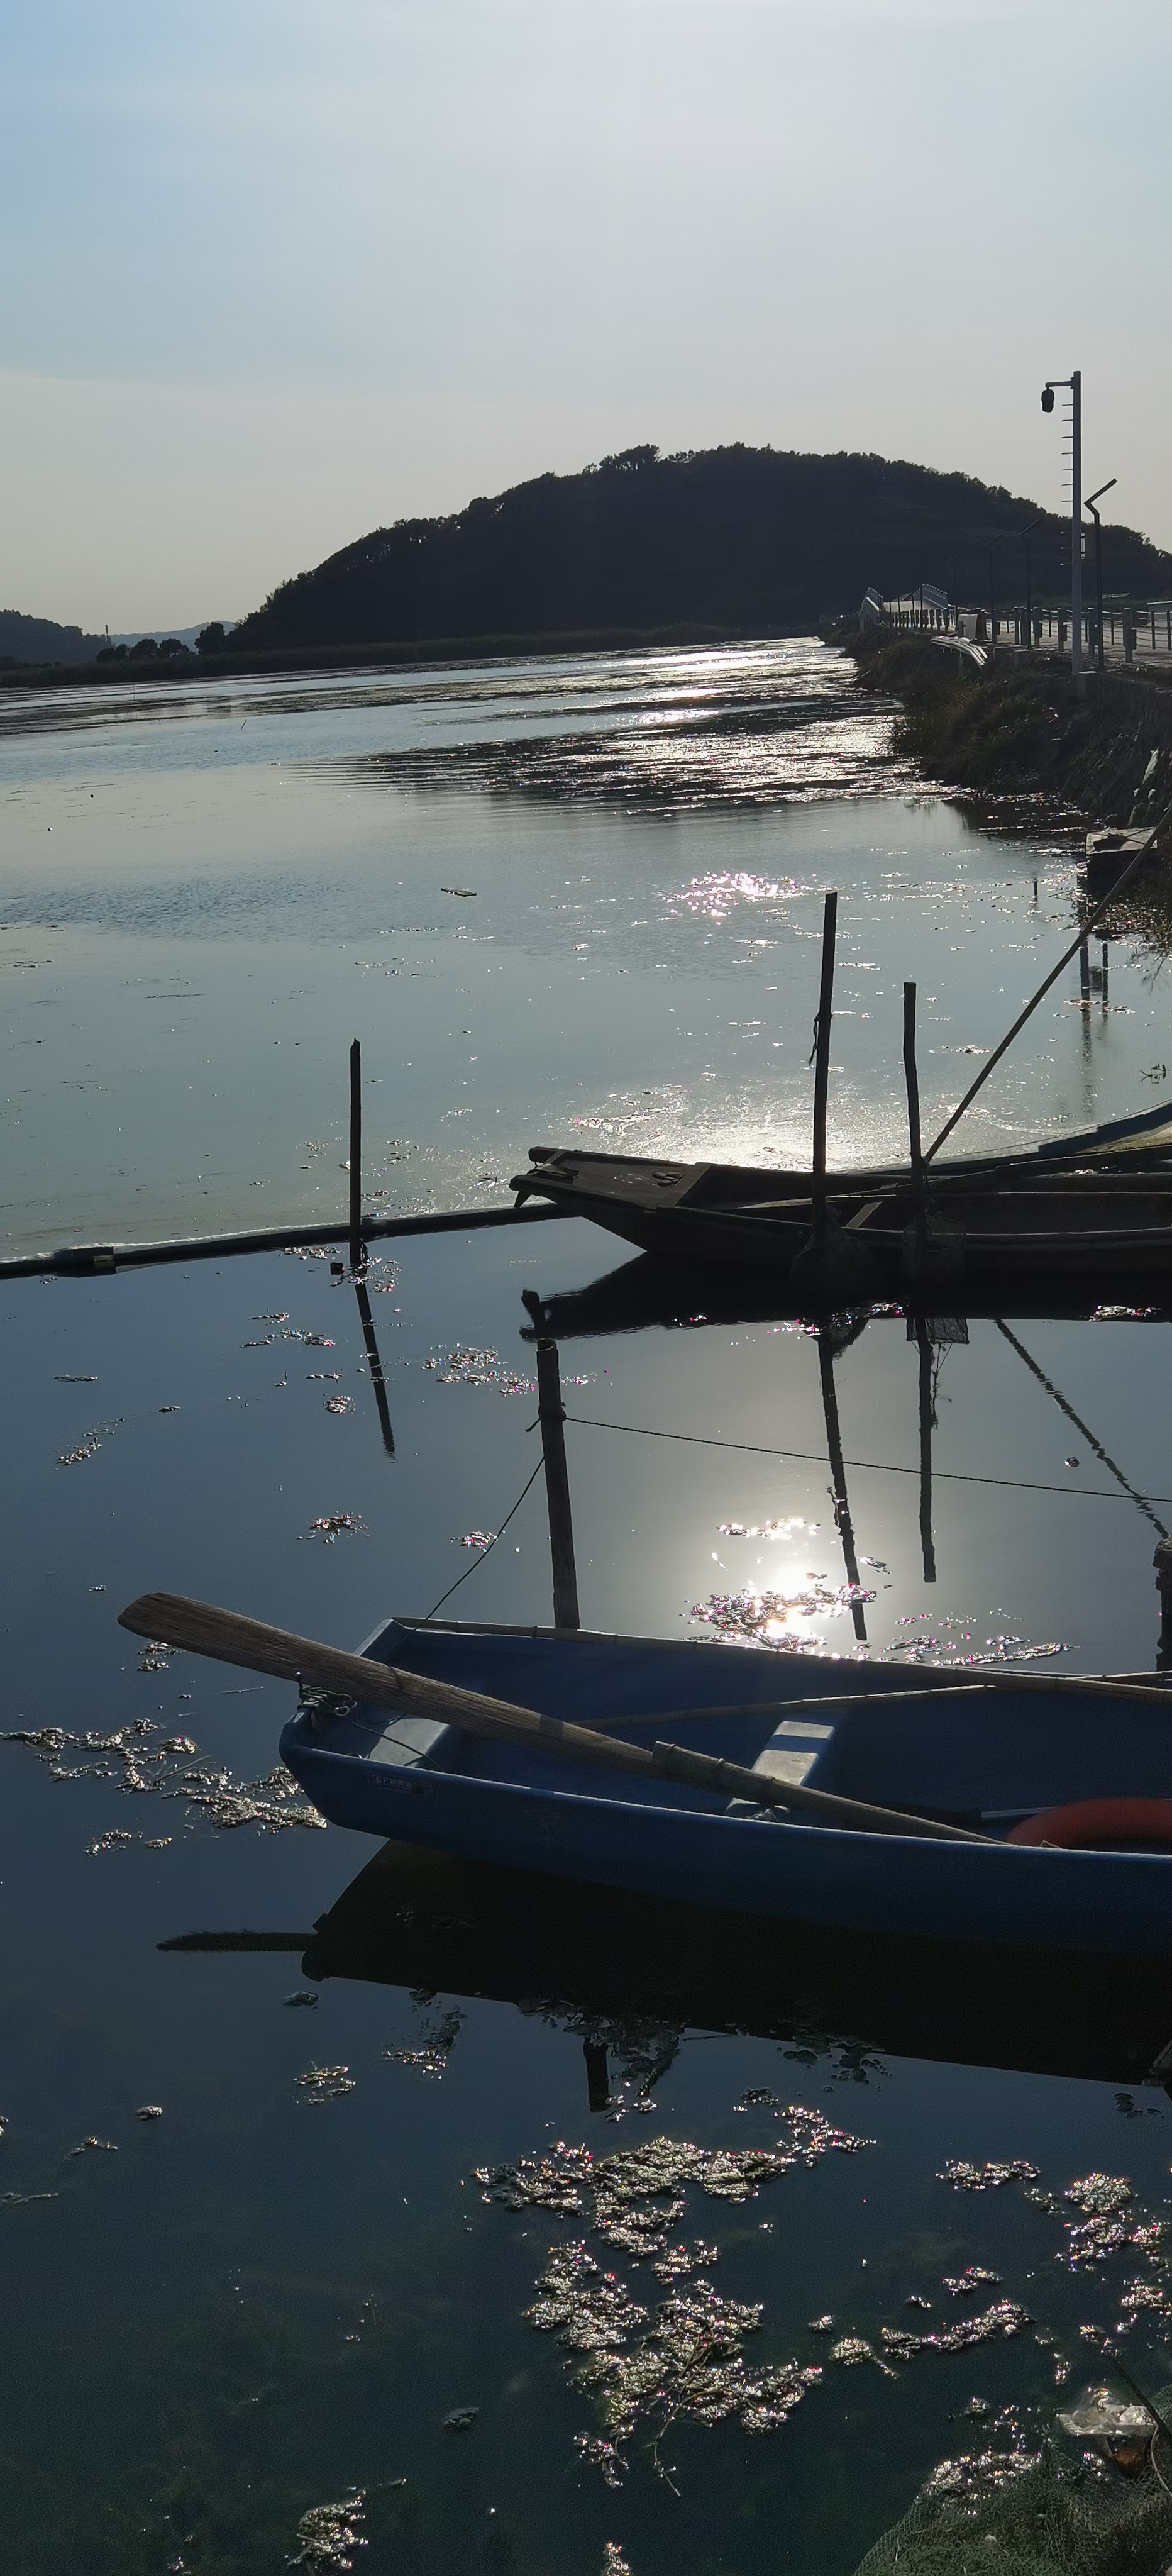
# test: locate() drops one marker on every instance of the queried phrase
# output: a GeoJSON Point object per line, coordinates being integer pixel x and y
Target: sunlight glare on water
{"type": "Point", "coordinates": [555, 901]}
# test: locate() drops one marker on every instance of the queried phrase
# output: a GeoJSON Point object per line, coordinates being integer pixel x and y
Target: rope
{"type": "Point", "coordinates": [481, 1553]}
{"type": "Point", "coordinates": [874, 1466]}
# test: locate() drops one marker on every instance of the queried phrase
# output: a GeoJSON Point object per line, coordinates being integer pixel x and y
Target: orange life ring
{"type": "Point", "coordinates": [1092, 1822]}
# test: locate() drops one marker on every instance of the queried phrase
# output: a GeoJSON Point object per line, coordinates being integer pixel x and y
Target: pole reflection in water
{"type": "Point", "coordinates": [927, 1420]}
{"type": "Point", "coordinates": [377, 1379]}
{"type": "Point", "coordinates": [828, 1337]}
{"type": "Point", "coordinates": [1103, 1455]}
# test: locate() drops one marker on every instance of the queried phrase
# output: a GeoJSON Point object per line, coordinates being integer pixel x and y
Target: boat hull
{"type": "Point", "coordinates": [523, 1811]}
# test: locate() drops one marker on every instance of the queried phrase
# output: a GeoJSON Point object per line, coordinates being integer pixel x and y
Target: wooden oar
{"type": "Point", "coordinates": [201, 1629]}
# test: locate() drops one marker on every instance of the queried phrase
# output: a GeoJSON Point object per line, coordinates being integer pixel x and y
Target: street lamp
{"type": "Point", "coordinates": [1074, 381]}
{"type": "Point", "coordinates": [1089, 504]}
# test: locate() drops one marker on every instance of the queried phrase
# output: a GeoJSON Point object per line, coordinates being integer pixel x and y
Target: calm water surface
{"type": "Point", "coordinates": [261, 2302]}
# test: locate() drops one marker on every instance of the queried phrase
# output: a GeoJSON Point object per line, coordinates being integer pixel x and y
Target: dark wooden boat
{"type": "Point", "coordinates": [1097, 1206]}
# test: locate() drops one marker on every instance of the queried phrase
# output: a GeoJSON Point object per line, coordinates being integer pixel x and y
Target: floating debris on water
{"type": "Point", "coordinates": [23, 2199]}
{"type": "Point", "coordinates": [155, 1656]}
{"type": "Point", "coordinates": [1104, 2228]}
{"type": "Point", "coordinates": [685, 2357]}
{"type": "Point", "coordinates": [466, 1366]}
{"type": "Point", "coordinates": [753, 1618]}
{"type": "Point", "coordinates": [974, 2277]}
{"type": "Point", "coordinates": [626, 2189]}
{"type": "Point", "coordinates": [1005, 2318]}
{"type": "Point", "coordinates": [150, 2111]}
{"type": "Point", "coordinates": [613, 2561]}
{"type": "Point", "coordinates": [426, 2061]}
{"type": "Point", "coordinates": [92, 2147]}
{"type": "Point", "coordinates": [986, 2177]}
{"type": "Point", "coordinates": [303, 1996]}
{"type": "Point", "coordinates": [944, 1649]}
{"type": "Point", "coordinates": [339, 1404]}
{"type": "Point", "coordinates": [74, 1381]}
{"type": "Point", "coordinates": [325, 2083]}
{"type": "Point", "coordinates": [461, 2419]}
{"type": "Point", "coordinates": [680, 2262]}
{"type": "Point", "coordinates": [684, 2360]}
{"type": "Point", "coordinates": [476, 1538]}
{"type": "Point", "coordinates": [141, 1760]}
{"type": "Point", "coordinates": [850, 2350]}
{"type": "Point", "coordinates": [90, 1442]}
{"type": "Point", "coordinates": [332, 1525]}
{"type": "Point", "coordinates": [767, 1529]}
{"type": "Point", "coordinates": [328, 2532]}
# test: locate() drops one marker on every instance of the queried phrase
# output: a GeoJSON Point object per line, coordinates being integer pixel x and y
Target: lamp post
{"type": "Point", "coordinates": [1074, 382]}
{"type": "Point", "coordinates": [1089, 504]}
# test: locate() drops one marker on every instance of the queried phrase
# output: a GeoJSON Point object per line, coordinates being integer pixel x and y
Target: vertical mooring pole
{"type": "Point", "coordinates": [822, 1055]}
{"type": "Point", "coordinates": [551, 1414]}
{"type": "Point", "coordinates": [1162, 1561]}
{"type": "Point", "coordinates": [357, 1255]}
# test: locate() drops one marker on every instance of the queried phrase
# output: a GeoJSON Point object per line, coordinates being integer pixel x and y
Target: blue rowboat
{"type": "Point", "coordinates": [987, 1761]}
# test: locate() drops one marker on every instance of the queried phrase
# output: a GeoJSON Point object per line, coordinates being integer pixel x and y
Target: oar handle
{"type": "Point", "coordinates": [203, 1629]}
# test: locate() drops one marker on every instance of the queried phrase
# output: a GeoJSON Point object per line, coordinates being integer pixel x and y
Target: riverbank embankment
{"type": "Point", "coordinates": [1015, 730]}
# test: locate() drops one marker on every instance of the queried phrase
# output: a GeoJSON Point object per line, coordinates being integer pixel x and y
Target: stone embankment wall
{"type": "Point", "coordinates": [1016, 730]}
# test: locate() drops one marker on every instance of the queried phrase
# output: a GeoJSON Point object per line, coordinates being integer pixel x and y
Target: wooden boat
{"type": "Point", "coordinates": [624, 1975]}
{"type": "Point", "coordinates": [997, 1229]}
{"type": "Point", "coordinates": [1144, 1139]}
{"type": "Point", "coordinates": [989, 1762]}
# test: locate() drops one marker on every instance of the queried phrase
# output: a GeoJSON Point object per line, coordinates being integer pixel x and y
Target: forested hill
{"type": "Point", "coordinates": [38, 639]}
{"type": "Point", "coordinates": [745, 538]}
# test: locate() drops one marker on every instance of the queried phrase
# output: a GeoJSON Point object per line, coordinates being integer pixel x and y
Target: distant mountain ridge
{"type": "Point", "coordinates": [40, 639]}
{"type": "Point", "coordinates": [755, 540]}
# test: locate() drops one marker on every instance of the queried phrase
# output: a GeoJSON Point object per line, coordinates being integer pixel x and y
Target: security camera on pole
{"type": "Point", "coordinates": [1075, 384]}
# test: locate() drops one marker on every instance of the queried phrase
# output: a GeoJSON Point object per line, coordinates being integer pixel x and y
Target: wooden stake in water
{"type": "Point", "coordinates": [551, 1414]}
{"type": "Point", "coordinates": [822, 1055]}
{"type": "Point", "coordinates": [357, 1255]}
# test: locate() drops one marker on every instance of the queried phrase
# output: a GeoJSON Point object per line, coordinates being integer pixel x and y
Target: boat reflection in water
{"type": "Point", "coordinates": [646, 1293]}
{"type": "Point", "coordinates": [627, 1975]}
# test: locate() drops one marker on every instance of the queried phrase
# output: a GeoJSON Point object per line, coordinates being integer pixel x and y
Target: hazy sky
{"type": "Point", "coordinates": [275, 273]}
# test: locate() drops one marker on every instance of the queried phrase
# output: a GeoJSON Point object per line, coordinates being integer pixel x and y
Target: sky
{"type": "Point", "coordinates": [273, 272]}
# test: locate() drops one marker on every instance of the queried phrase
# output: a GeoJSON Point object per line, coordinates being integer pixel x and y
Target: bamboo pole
{"type": "Point", "coordinates": [551, 1414]}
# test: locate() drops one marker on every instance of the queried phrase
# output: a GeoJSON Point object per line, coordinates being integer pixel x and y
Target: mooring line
{"type": "Point", "coordinates": [866, 1466]}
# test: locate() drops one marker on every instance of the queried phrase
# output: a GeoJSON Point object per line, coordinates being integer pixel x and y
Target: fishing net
{"type": "Point", "coordinates": [1047, 2513]}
